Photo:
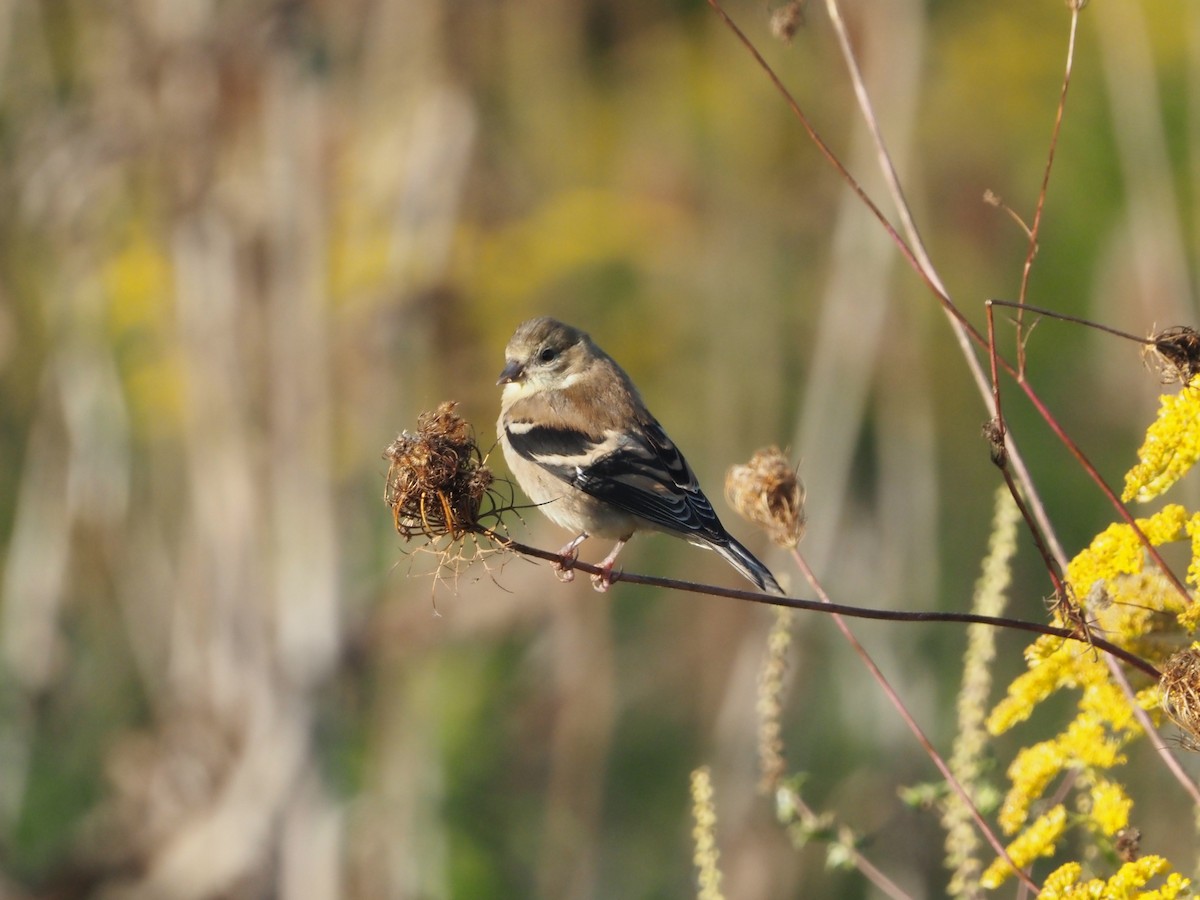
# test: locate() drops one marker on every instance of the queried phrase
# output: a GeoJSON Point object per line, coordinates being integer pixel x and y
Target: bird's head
{"type": "Point", "coordinates": [544, 354]}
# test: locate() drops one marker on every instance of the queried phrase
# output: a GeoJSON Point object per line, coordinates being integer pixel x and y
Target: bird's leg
{"type": "Point", "coordinates": [603, 581]}
{"type": "Point", "coordinates": [569, 553]}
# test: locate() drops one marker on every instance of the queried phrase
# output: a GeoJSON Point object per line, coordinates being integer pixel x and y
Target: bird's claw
{"type": "Point", "coordinates": [564, 569]}
{"type": "Point", "coordinates": [603, 579]}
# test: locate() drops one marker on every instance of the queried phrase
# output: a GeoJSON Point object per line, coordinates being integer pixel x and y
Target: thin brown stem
{"type": "Point", "coordinates": [1041, 200]}
{"type": "Point", "coordinates": [998, 435]}
{"type": "Point", "coordinates": [967, 328]}
{"type": "Point", "coordinates": [964, 332]}
{"type": "Point", "coordinates": [1078, 320]}
{"type": "Point", "coordinates": [1143, 717]}
{"type": "Point", "coordinates": [858, 612]}
{"type": "Point", "coordinates": [907, 252]}
{"type": "Point", "coordinates": [955, 785]}
{"type": "Point", "coordinates": [868, 869]}
{"type": "Point", "coordinates": [1108, 492]}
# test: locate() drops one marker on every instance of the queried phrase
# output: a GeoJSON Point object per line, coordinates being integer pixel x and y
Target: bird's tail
{"type": "Point", "coordinates": [743, 560]}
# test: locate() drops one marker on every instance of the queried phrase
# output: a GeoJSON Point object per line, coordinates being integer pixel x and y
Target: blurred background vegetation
{"type": "Point", "coordinates": [242, 244]}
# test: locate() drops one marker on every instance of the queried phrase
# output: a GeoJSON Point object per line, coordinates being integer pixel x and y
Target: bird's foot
{"type": "Point", "coordinates": [603, 579]}
{"type": "Point", "coordinates": [564, 569]}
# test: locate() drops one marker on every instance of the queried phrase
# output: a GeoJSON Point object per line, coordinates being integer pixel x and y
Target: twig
{"type": "Point", "coordinates": [955, 785]}
{"type": "Point", "coordinates": [1126, 516]}
{"type": "Point", "coordinates": [1041, 200]}
{"type": "Point", "coordinates": [907, 252]}
{"type": "Point", "coordinates": [1078, 320]}
{"type": "Point", "coordinates": [1143, 717]}
{"type": "Point", "coordinates": [964, 332]}
{"type": "Point", "coordinates": [857, 612]}
{"type": "Point", "coordinates": [998, 435]}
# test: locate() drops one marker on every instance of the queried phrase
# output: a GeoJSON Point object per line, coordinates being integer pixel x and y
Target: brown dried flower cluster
{"type": "Point", "coordinates": [1176, 352]}
{"type": "Point", "coordinates": [769, 493]}
{"type": "Point", "coordinates": [1180, 689]}
{"type": "Point", "coordinates": [787, 19]}
{"type": "Point", "coordinates": [436, 478]}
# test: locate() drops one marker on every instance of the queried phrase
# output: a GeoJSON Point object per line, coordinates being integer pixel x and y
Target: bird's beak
{"type": "Point", "coordinates": [513, 371]}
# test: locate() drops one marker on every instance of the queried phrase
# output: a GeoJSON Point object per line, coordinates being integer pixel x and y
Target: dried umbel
{"type": "Point", "coordinates": [436, 478]}
{"type": "Point", "coordinates": [769, 493]}
{"type": "Point", "coordinates": [1176, 351]}
{"type": "Point", "coordinates": [1180, 689]}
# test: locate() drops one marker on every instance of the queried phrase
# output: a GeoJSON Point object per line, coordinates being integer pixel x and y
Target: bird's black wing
{"type": "Point", "coordinates": [639, 471]}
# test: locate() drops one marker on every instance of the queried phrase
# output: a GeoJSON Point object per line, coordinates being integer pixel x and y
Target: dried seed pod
{"type": "Point", "coordinates": [436, 477]}
{"type": "Point", "coordinates": [769, 493]}
{"type": "Point", "coordinates": [1180, 689]}
{"type": "Point", "coordinates": [787, 19]}
{"type": "Point", "coordinates": [1176, 352]}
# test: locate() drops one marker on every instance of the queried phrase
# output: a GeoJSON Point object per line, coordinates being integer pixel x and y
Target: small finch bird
{"type": "Point", "coordinates": [583, 446]}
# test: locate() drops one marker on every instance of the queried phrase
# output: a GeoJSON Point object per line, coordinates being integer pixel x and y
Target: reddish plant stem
{"type": "Point", "coordinates": [1041, 200]}
{"type": "Point", "coordinates": [999, 438]}
{"type": "Point", "coordinates": [955, 785]}
{"type": "Point", "coordinates": [858, 612]}
{"type": "Point", "coordinates": [1108, 492]}
{"type": "Point", "coordinates": [946, 302]}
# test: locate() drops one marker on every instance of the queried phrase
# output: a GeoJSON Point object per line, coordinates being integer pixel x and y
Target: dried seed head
{"type": "Point", "coordinates": [993, 433]}
{"type": "Point", "coordinates": [1128, 844]}
{"type": "Point", "coordinates": [1176, 352]}
{"type": "Point", "coordinates": [436, 477]}
{"type": "Point", "coordinates": [787, 19]}
{"type": "Point", "coordinates": [769, 493]}
{"type": "Point", "coordinates": [1180, 689]}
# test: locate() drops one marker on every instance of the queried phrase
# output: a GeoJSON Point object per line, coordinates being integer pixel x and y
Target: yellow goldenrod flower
{"type": "Point", "coordinates": [1193, 573]}
{"type": "Point", "coordinates": [1110, 807]}
{"type": "Point", "coordinates": [1107, 703]}
{"type": "Point", "coordinates": [1039, 839]}
{"type": "Point", "coordinates": [1059, 883]}
{"type": "Point", "coordinates": [1164, 526]}
{"type": "Point", "coordinates": [1175, 886]}
{"type": "Point", "coordinates": [1117, 550]}
{"type": "Point", "coordinates": [1063, 883]}
{"type": "Point", "coordinates": [1171, 448]}
{"type": "Point", "coordinates": [1030, 772]}
{"type": "Point", "coordinates": [1189, 618]}
{"type": "Point", "coordinates": [1052, 664]}
{"type": "Point", "coordinates": [1135, 874]}
{"type": "Point", "coordinates": [1114, 551]}
{"type": "Point", "coordinates": [1087, 741]}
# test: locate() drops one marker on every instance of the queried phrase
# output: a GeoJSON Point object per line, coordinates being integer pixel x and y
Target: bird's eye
{"type": "Point", "coordinates": [547, 354]}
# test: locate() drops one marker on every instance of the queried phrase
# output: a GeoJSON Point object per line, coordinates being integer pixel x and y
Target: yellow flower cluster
{"type": "Point", "coordinates": [1118, 551]}
{"type": "Point", "coordinates": [1126, 884]}
{"type": "Point", "coordinates": [1039, 839]}
{"type": "Point", "coordinates": [1193, 573]}
{"type": "Point", "coordinates": [1114, 592]}
{"type": "Point", "coordinates": [1110, 807]}
{"type": "Point", "coordinates": [1089, 743]}
{"type": "Point", "coordinates": [1053, 664]}
{"type": "Point", "coordinates": [1171, 448]}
